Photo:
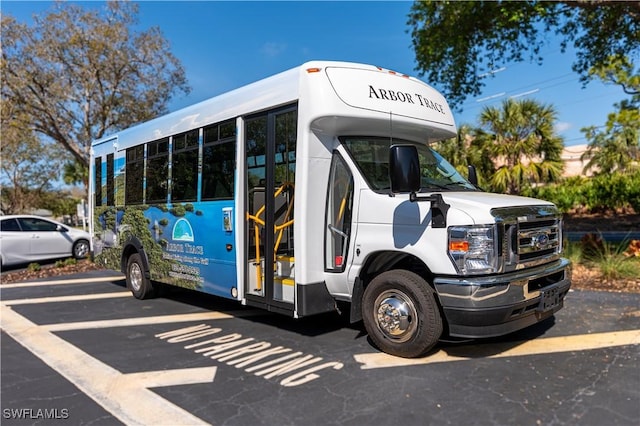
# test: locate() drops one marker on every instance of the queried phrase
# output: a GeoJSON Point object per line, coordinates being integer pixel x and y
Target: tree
{"type": "Point", "coordinates": [458, 44]}
{"type": "Point", "coordinates": [620, 71]}
{"type": "Point", "coordinates": [520, 138]}
{"type": "Point", "coordinates": [80, 74]}
{"type": "Point", "coordinates": [28, 166]}
{"type": "Point", "coordinates": [60, 203]}
{"type": "Point", "coordinates": [466, 149]}
{"type": "Point", "coordinates": [74, 172]}
{"type": "Point", "coordinates": [617, 146]}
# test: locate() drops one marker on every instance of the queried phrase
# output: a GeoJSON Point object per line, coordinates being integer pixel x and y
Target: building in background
{"type": "Point", "coordinates": [573, 165]}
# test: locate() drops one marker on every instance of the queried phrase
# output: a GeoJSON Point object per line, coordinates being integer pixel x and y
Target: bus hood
{"type": "Point", "coordinates": [478, 205]}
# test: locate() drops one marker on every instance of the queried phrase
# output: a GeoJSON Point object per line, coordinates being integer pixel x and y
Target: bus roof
{"type": "Point", "coordinates": [278, 89]}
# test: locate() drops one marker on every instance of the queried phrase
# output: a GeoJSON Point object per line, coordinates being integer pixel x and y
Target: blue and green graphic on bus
{"type": "Point", "coordinates": [189, 245]}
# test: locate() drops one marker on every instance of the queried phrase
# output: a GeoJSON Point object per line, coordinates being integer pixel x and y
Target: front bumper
{"type": "Point", "coordinates": [495, 305]}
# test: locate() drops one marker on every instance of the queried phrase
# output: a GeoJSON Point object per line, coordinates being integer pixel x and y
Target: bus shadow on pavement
{"type": "Point", "coordinates": [326, 323]}
{"type": "Point", "coordinates": [488, 347]}
{"type": "Point", "coordinates": [314, 325]}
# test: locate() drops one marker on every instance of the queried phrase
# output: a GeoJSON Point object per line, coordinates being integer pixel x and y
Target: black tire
{"type": "Point", "coordinates": [400, 314]}
{"type": "Point", "coordinates": [137, 281]}
{"type": "Point", "coordinates": [80, 249]}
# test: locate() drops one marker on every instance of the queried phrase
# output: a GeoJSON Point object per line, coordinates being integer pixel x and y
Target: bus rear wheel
{"type": "Point", "coordinates": [137, 281]}
{"type": "Point", "coordinates": [400, 314]}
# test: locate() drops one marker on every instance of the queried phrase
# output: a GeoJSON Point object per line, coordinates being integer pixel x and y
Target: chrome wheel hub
{"type": "Point", "coordinates": [135, 277]}
{"type": "Point", "coordinates": [396, 316]}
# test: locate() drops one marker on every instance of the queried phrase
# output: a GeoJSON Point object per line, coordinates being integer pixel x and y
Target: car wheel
{"type": "Point", "coordinates": [137, 281]}
{"type": "Point", "coordinates": [400, 314]}
{"type": "Point", "coordinates": [80, 249]}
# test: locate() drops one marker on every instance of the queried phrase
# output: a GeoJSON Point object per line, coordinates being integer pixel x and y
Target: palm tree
{"type": "Point", "coordinates": [520, 137]}
{"type": "Point", "coordinates": [464, 150]}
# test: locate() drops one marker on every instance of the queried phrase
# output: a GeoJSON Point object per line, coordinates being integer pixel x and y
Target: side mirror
{"type": "Point", "coordinates": [404, 169]}
{"type": "Point", "coordinates": [61, 229]}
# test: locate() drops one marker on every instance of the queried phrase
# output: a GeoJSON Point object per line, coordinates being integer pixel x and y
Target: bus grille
{"type": "Point", "coordinates": [529, 235]}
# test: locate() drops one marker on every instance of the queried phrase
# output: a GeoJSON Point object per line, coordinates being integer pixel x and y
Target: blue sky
{"type": "Point", "coordinates": [224, 45]}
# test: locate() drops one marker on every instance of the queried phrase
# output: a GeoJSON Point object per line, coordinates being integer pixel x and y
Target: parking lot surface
{"type": "Point", "coordinates": [81, 349]}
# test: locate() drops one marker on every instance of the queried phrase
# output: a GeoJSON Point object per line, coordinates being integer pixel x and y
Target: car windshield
{"type": "Point", "coordinates": [371, 154]}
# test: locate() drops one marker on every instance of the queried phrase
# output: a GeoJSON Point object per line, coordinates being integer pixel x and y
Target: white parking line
{"type": "Point", "coordinates": [74, 298]}
{"type": "Point", "coordinates": [160, 378]}
{"type": "Point", "coordinates": [127, 322]}
{"type": "Point", "coordinates": [507, 349]}
{"type": "Point", "coordinates": [61, 282]}
{"type": "Point", "coordinates": [133, 404]}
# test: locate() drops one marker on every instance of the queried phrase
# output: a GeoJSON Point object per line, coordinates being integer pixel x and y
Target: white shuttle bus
{"type": "Point", "coordinates": [315, 186]}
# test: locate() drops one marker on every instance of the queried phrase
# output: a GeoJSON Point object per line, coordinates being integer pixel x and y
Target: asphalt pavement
{"type": "Point", "coordinates": [81, 350]}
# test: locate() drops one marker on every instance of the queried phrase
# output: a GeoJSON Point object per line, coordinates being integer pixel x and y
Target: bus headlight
{"type": "Point", "coordinates": [474, 249]}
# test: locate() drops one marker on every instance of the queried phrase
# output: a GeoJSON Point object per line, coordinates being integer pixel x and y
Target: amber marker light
{"type": "Point", "coordinates": [312, 70]}
{"type": "Point", "coordinates": [459, 246]}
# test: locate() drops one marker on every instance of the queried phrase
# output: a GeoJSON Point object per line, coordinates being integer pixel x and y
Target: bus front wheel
{"type": "Point", "coordinates": [137, 282]}
{"type": "Point", "coordinates": [400, 314]}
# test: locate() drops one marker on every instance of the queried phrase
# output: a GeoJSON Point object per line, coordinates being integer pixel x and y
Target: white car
{"type": "Point", "coordinates": [26, 239]}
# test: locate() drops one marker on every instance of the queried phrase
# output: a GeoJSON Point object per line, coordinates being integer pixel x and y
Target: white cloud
{"type": "Point", "coordinates": [562, 126]}
{"type": "Point", "coordinates": [273, 49]}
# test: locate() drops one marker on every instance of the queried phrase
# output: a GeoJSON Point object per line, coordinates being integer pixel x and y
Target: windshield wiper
{"type": "Point", "coordinates": [434, 185]}
{"type": "Point", "coordinates": [447, 185]}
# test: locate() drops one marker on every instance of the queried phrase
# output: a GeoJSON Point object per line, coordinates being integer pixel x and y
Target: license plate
{"type": "Point", "coordinates": [549, 300]}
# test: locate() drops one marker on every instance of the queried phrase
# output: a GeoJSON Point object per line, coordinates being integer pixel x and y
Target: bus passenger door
{"type": "Point", "coordinates": [269, 246]}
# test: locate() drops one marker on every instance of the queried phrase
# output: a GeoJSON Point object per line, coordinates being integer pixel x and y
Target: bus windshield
{"type": "Point", "coordinates": [371, 154]}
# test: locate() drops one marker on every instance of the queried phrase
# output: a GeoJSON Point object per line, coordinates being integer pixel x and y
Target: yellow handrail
{"type": "Point", "coordinates": [257, 221]}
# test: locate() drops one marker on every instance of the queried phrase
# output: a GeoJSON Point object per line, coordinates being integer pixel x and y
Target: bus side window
{"type": "Point", "coordinates": [184, 167]}
{"type": "Point", "coordinates": [97, 174]}
{"type": "Point", "coordinates": [338, 215]}
{"type": "Point", "coordinates": [218, 161]}
{"type": "Point", "coordinates": [157, 171]}
{"type": "Point", "coordinates": [110, 185]}
{"type": "Point", "coordinates": [134, 175]}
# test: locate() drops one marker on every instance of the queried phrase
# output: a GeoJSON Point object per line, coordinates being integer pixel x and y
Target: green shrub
{"type": "Point", "coordinates": [610, 259]}
{"type": "Point", "coordinates": [598, 193]}
{"type": "Point", "coordinates": [592, 246]}
{"type": "Point", "coordinates": [34, 267]}
{"type": "Point", "coordinates": [619, 266]}
{"type": "Point", "coordinates": [566, 195]}
{"type": "Point", "coordinates": [613, 191]}
{"type": "Point", "coordinates": [65, 262]}
{"type": "Point", "coordinates": [572, 251]}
